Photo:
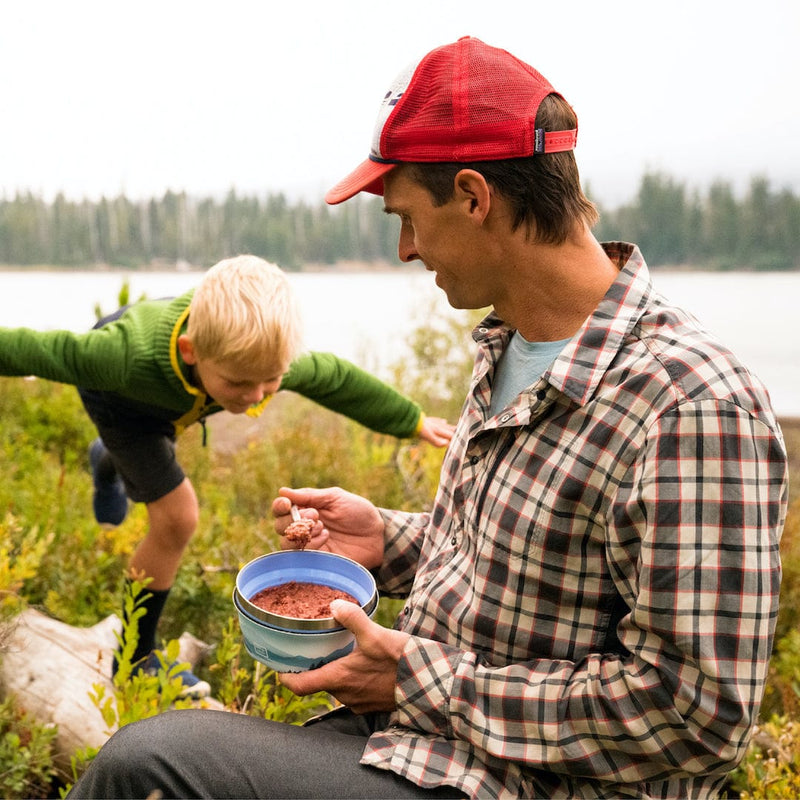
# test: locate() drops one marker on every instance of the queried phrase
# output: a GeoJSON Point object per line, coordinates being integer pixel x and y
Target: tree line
{"type": "Point", "coordinates": [672, 224]}
{"type": "Point", "coordinates": [711, 230]}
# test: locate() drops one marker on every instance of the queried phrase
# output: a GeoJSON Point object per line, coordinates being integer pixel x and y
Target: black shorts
{"type": "Point", "coordinates": [141, 446]}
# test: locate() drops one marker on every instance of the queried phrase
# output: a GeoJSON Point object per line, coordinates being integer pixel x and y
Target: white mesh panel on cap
{"type": "Point", "coordinates": [399, 85]}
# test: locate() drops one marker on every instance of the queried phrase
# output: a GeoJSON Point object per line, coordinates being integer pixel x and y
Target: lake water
{"type": "Point", "coordinates": [367, 316]}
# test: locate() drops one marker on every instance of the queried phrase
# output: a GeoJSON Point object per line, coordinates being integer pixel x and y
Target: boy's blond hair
{"type": "Point", "coordinates": [244, 312]}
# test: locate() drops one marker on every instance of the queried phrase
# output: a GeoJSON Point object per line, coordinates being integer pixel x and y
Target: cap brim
{"type": "Point", "coordinates": [366, 177]}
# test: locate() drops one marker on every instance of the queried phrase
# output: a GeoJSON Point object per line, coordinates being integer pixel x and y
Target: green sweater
{"type": "Point", "coordinates": [135, 358]}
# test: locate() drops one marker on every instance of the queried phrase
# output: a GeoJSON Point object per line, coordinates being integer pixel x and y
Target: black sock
{"type": "Point", "coordinates": [148, 622]}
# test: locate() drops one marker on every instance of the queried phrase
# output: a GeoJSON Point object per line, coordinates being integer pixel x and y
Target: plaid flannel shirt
{"type": "Point", "coordinates": [593, 596]}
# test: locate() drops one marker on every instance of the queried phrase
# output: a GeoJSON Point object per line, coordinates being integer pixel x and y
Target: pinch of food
{"type": "Point", "coordinates": [299, 532]}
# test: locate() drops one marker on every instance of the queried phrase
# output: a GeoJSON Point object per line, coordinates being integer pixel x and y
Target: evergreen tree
{"type": "Point", "coordinates": [672, 226]}
{"type": "Point", "coordinates": [721, 229]}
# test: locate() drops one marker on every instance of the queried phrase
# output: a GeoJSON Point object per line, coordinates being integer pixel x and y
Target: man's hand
{"type": "Point", "coordinates": [347, 524]}
{"type": "Point", "coordinates": [365, 679]}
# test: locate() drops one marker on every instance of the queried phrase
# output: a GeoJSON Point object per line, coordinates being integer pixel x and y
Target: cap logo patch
{"type": "Point", "coordinates": [391, 99]}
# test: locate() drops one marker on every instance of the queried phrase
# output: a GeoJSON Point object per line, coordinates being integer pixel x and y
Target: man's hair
{"type": "Point", "coordinates": [544, 190]}
{"type": "Point", "coordinates": [244, 312]}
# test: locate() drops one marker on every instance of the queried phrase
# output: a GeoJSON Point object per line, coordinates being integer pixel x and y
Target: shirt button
{"type": "Point", "coordinates": [406, 611]}
{"type": "Point", "coordinates": [541, 394]}
{"type": "Point", "coordinates": [474, 460]}
{"type": "Point", "coordinates": [505, 418]}
{"type": "Point", "coordinates": [454, 541]}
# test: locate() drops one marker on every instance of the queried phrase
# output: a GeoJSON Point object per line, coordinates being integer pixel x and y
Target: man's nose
{"type": "Point", "coordinates": [406, 247]}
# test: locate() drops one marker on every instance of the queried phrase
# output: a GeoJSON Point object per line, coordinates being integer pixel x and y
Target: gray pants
{"type": "Point", "coordinates": [218, 754]}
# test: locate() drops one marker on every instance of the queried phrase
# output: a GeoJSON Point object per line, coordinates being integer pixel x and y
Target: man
{"type": "Point", "coordinates": [591, 601]}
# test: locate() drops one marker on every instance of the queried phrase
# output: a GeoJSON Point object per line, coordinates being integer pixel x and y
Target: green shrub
{"type": "Point", "coordinates": [248, 687]}
{"type": "Point", "coordinates": [771, 768]}
{"type": "Point", "coordinates": [53, 555]}
{"type": "Point", "coordinates": [26, 753]}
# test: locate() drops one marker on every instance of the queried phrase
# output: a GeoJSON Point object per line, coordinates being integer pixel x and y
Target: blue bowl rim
{"type": "Point", "coordinates": [299, 624]}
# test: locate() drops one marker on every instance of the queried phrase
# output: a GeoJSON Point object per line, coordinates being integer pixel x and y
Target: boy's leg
{"type": "Point", "coordinates": [109, 501]}
{"type": "Point", "coordinates": [145, 459]}
{"type": "Point", "coordinates": [141, 450]}
{"type": "Point", "coordinates": [220, 754]}
{"type": "Point", "coordinates": [172, 521]}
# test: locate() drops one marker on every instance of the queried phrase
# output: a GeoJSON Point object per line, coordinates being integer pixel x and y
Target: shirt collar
{"type": "Point", "coordinates": [582, 363]}
{"type": "Point", "coordinates": [584, 360]}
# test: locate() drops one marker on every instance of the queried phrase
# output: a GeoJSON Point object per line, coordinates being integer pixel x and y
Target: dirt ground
{"type": "Point", "coordinates": [227, 433]}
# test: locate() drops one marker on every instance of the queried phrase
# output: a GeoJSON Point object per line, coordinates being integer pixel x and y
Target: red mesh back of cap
{"type": "Point", "coordinates": [466, 101]}
{"type": "Point", "coordinates": [463, 102]}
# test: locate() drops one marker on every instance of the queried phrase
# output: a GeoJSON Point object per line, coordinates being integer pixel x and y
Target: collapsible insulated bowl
{"type": "Point", "coordinates": [291, 644]}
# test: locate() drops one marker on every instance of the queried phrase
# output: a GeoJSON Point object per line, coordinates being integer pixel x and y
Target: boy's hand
{"type": "Point", "coordinates": [348, 525]}
{"type": "Point", "coordinates": [437, 431]}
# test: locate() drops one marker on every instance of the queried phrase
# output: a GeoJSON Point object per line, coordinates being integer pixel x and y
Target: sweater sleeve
{"type": "Point", "coordinates": [94, 360]}
{"type": "Point", "coordinates": [341, 386]}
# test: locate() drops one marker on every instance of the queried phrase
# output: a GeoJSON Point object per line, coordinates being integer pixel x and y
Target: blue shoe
{"type": "Point", "coordinates": [193, 687]}
{"type": "Point", "coordinates": [110, 501]}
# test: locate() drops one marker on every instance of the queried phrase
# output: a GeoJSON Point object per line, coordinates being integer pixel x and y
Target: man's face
{"type": "Point", "coordinates": [443, 237]}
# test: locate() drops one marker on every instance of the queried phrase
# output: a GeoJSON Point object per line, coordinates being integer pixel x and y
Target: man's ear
{"type": "Point", "coordinates": [186, 349]}
{"type": "Point", "coordinates": [473, 191]}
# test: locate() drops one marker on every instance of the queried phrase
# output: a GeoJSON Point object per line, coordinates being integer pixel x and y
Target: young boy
{"type": "Point", "coordinates": [151, 369]}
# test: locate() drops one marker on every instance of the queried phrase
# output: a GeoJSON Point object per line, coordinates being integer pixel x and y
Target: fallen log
{"type": "Point", "coordinates": [50, 668]}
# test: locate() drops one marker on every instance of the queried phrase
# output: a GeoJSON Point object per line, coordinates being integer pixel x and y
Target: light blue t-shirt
{"type": "Point", "coordinates": [521, 365]}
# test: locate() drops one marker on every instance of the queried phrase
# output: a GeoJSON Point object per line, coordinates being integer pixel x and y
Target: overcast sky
{"type": "Point", "coordinates": [99, 97]}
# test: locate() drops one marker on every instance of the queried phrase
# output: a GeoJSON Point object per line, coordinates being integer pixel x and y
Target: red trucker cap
{"type": "Point", "coordinates": [464, 101]}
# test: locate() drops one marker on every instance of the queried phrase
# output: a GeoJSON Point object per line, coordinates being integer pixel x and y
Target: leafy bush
{"type": "Point", "coordinates": [26, 753]}
{"type": "Point", "coordinates": [21, 553]}
{"type": "Point", "coordinates": [771, 768]}
{"type": "Point", "coordinates": [54, 556]}
{"type": "Point", "coordinates": [255, 690]}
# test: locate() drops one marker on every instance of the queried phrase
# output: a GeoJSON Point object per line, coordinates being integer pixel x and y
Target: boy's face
{"type": "Point", "coordinates": [235, 388]}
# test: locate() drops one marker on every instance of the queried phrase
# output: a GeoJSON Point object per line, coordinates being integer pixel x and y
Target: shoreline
{"type": "Point", "coordinates": [181, 267]}
{"type": "Point", "coordinates": [344, 267]}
